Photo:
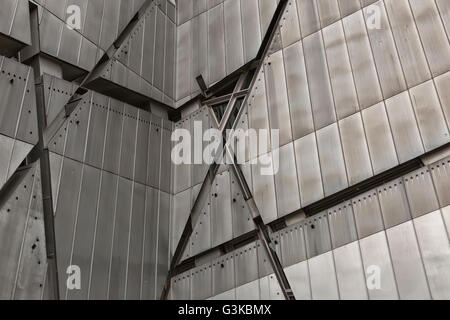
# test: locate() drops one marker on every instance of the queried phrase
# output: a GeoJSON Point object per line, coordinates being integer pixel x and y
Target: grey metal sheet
{"type": "Point", "coordinates": [201, 235]}
{"type": "Point", "coordinates": [128, 144]}
{"type": "Point", "coordinates": [275, 292]}
{"type": "Point", "coordinates": [199, 6]}
{"type": "Point", "coordinates": [356, 153]}
{"type": "Point", "coordinates": [350, 272]}
{"type": "Point", "coordinates": [429, 116]}
{"type": "Point", "coordinates": [184, 53]}
{"type": "Point", "coordinates": [361, 59]}
{"type": "Point", "coordinates": [88, 55]}
{"type": "Point", "coordinates": [163, 241]}
{"type": "Point", "coordinates": [242, 222]}
{"type": "Point", "coordinates": [136, 54]}
{"type": "Point", "coordinates": [221, 216]}
{"type": "Point", "coordinates": [298, 276]}
{"type": "Point", "coordinates": [377, 262]}
{"type": "Point", "coordinates": [216, 44]}
{"type": "Point", "coordinates": [317, 235]}
{"type": "Point", "coordinates": [290, 26]}
{"type": "Point", "coordinates": [201, 285]}
{"type": "Point", "coordinates": [404, 127]}
{"type": "Point", "coordinates": [248, 291]}
{"type": "Point", "coordinates": [435, 249]}
{"type": "Point", "coordinates": [379, 138]}
{"type": "Point", "coordinates": [149, 46]}
{"type": "Point", "coordinates": [135, 247]}
{"type": "Point", "coordinates": [103, 237]}
{"type": "Point", "coordinates": [200, 118]}
{"type": "Point", "coordinates": [77, 130]}
{"type": "Point", "coordinates": [55, 172]}
{"type": "Point", "coordinates": [442, 84]}
{"type": "Point", "coordinates": [446, 216]}
{"type": "Point", "coordinates": [407, 262]}
{"type": "Point", "coordinates": [342, 225]}
{"type": "Point", "coordinates": [441, 177]}
{"type": "Point", "coordinates": [185, 10]}
{"type": "Point", "coordinates": [20, 28]}
{"type": "Point", "coordinates": [292, 242]}
{"type": "Point", "coordinates": [113, 135]}
{"type": "Point", "coordinates": [421, 193]}
{"type": "Point", "coordinates": [6, 147]}
{"type": "Point", "coordinates": [180, 214]}
{"type": "Point", "coordinates": [84, 230]}
{"type": "Point", "coordinates": [328, 11]}
{"type": "Point", "coordinates": [183, 172]}
{"type": "Point", "coordinates": [119, 259]}
{"type": "Point", "coordinates": [323, 277]}
{"type": "Point", "coordinates": [158, 77]}
{"type": "Point", "coordinates": [166, 153]}
{"type": "Point", "coordinates": [20, 152]}
{"type": "Point", "coordinates": [266, 10]}
{"type": "Point", "coordinates": [366, 209]}
{"type": "Point", "coordinates": [50, 29]}
{"type": "Point", "coordinates": [341, 76]}
{"type": "Point", "coordinates": [348, 7]}
{"type": "Point", "coordinates": [223, 274]}
{"type": "Point", "coordinates": [169, 87]}
{"type": "Point", "coordinates": [141, 161]}
{"type": "Point", "coordinates": [432, 34]}
{"type": "Point", "coordinates": [97, 130]}
{"type": "Point", "coordinates": [65, 215]}
{"type": "Point", "coordinates": [385, 55]}
{"type": "Point", "coordinates": [199, 54]}
{"type": "Point", "coordinates": [154, 153]}
{"type": "Point", "coordinates": [69, 47]}
{"type": "Point", "coordinates": [264, 266]}
{"type": "Point", "coordinates": [110, 23]}
{"type": "Point", "coordinates": [92, 23]}
{"type": "Point", "coordinates": [394, 203]}
{"type": "Point", "coordinates": [331, 159]}
{"type": "Point", "coordinates": [181, 287]}
{"type": "Point", "coordinates": [234, 47]}
{"type": "Point", "coordinates": [7, 16]}
{"type": "Point", "coordinates": [246, 260]}
{"type": "Point", "coordinates": [309, 16]}
{"type": "Point", "coordinates": [319, 82]}
{"type": "Point", "coordinates": [27, 129]}
{"type": "Point", "coordinates": [251, 28]}
{"type": "Point", "coordinates": [286, 182]}
{"type": "Point", "coordinates": [298, 91]}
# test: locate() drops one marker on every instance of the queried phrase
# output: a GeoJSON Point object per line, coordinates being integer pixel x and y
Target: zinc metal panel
{"type": "Point", "coordinates": [264, 288]}
{"type": "Point", "coordinates": [143, 125]}
{"type": "Point", "coordinates": [70, 45]}
{"type": "Point", "coordinates": [221, 216]}
{"type": "Point", "coordinates": [19, 154]}
{"type": "Point", "coordinates": [199, 6]}
{"type": "Point", "coordinates": [88, 55]}
{"type": "Point", "coordinates": [286, 182]}
{"type": "Point", "coordinates": [274, 288]}
{"type": "Point", "coordinates": [77, 130]}
{"type": "Point", "coordinates": [216, 44]}
{"type": "Point", "coordinates": [341, 76]}
{"type": "Point", "coordinates": [342, 225]}
{"type": "Point", "coordinates": [55, 172]}
{"type": "Point", "coordinates": [128, 143]}
{"type": "Point", "coordinates": [96, 131]}
{"type": "Point", "coordinates": [328, 11]}
{"type": "Point", "coordinates": [166, 161]}
{"type": "Point", "coordinates": [407, 262]}
{"type": "Point", "coordinates": [136, 54]}
{"type": "Point", "coordinates": [264, 188]}
{"type": "Point", "coordinates": [277, 98]}
{"type": "Point", "coordinates": [409, 46]}
{"type": "Point", "coordinates": [6, 147]}
{"type": "Point", "coordinates": [185, 10]}
{"type": "Point", "coordinates": [180, 215]}
{"type": "Point", "coordinates": [223, 274]}
{"type": "Point", "coordinates": [251, 30]}
{"type": "Point", "coordinates": [331, 159]}
{"type": "Point", "coordinates": [200, 118]}
{"type": "Point", "coordinates": [298, 91]}
{"type": "Point", "coordinates": [56, 7]}
{"type": "Point", "coordinates": [199, 54]}
{"type": "Point", "coordinates": [446, 216]}
{"type": "Point", "coordinates": [7, 16]}
{"type": "Point", "coordinates": [264, 266]}
{"type": "Point", "coordinates": [379, 138]}
{"type": "Point", "coordinates": [348, 7]}
{"type": "Point", "coordinates": [27, 129]}
{"type": "Point", "coordinates": [308, 13]}
{"type": "Point", "coordinates": [169, 88]}
{"type": "Point", "coordinates": [65, 215]}
{"type": "Point", "coordinates": [430, 118]}
{"type": "Point", "coordinates": [442, 84]}
{"type": "Point", "coordinates": [248, 291]}
{"type": "Point", "coordinates": [126, 8]}
{"type": "Point", "coordinates": [356, 153]}
{"type": "Point", "coordinates": [245, 260]}
{"type": "Point", "coordinates": [394, 203]}
{"type": "Point", "coordinates": [119, 259]}
{"type": "Point", "coordinates": [84, 230]}
{"type": "Point", "coordinates": [50, 29]}
{"type": "Point", "coordinates": [385, 55]}
{"type": "Point", "coordinates": [234, 47]}
{"type": "Point", "coordinates": [181, 287]}
{"type": "Point", "coordinates": [93, 20]}
{"type": "Point", "coordinates": [184, 53]}
{"type": "Point", "coordinates": [350, 272]}
{"type": "Point", "coordinates": [110, 23]}
{"type": "Point", "coordinates": [319, 82]}
{"type": "Point", "coordinates": [435, 248]}
{"type": "Point", "coordinates": [308, 169]}
{"type": "Point", "coordinates": [266, 10]}
{"type": "Point", "coordinates": [292, 242]}
{"type": "Point", "coordinates": [183, 171]}
{"type": "Point", "coordinates": [375, 253]}
{"type": "Point", "coordinates": [103, 237]}
{"type": "Point", "coordinates": [158, 77]}
{"type": "Point", "coordinates": [201, 235]}
{"type": "Point", "coordinates": [149, 46]}
{"type": "Point", "coordinates": [298, 277]}
{"type": "Point", "coordinates": [432, 34]}
{"type": "Point", "coordinates": [361, 59]}
{"type": "Point", "coordinates": [367, 211]}
{"type": "Point", "coordinates": [317, 235]}
{"type": "Point", "coordinates": [323, 277]}
{"type": "Point", "coordinates": [163, 241]}
{"type": "Point", "coordinates": [404, 127]}
{"type": "Point", "coordinates": [290, 26]}
{"type": "Point", "coordinates": [154, 153]}
{"type": "Point", "coordinates": [420, 191]}
{"type": "Point", "coordinates": [441, 177]}
{"type": "Point", "coordinates": [135, 247]}
{"type": "Point", "coordinates": [242, 219]}
{"type": "Point", "coordinates": [113, 136]}
{"type": "Point", "coordinates": [201, 285]}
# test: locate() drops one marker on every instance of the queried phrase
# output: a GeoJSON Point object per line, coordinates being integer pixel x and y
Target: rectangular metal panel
{"type": "Point", "coordinates": [85, 230]}
{"type": "Point", "coordinates": [275, 292]}
{"type": "Point", "coordinates": [199, 54]}
{"type": "Point", "coordinates": [221, 216]}
{"type": "Point", "coordinates": [290, 26]}
{"type": "Point", "coordinates": [6, 147]}
{"type": "Point", "coordinates": [376, 260]}
{"type": "Point", "coordinates": [69, 47]}
{"type": "Point", "coordinates": [163, 241]}
{"type": "Point", "coordinates": [249, 291]}
{"type": "Point", "coordinates": [317, 235]}
{"type": "Point", "coordinates": [185, 10]}
{"type": "Point", "coordinates": [27, 129]}
{"type": "Point", "coordinates": [342, 225]}
{"type": "Point", "coordinates": [166, 153]}
{"type": "Point", "coordinates": [180, 214]}
{"type": "Point", "coordinates": [356, 153]}
{"type": "Point", "coordinates": [223, 274]}
{"type": "Point", "coordinates": [344, 91]}
{"type": "Point", "coordinates": [435, 248]}
{"type": "Point", "coordinates": [149, 46]}
{"type": "Point", "coordinates": [264, 188]}
{"type": "Point", "coordinates": [77, 130]}
{"type": "Point", "coordinates": [143, 125]}
{"type": "Point", "coordinates": [407, 262]}
{"type": "Point", "coordinates": [119, 259]}
{"type": "Point", "coordinates": [328, 11]}
{"type": "Point", "coordinates": [331, 159]}
{"type": "Point", "coordinates": [181, 287]}
{"type": "Point", "coordinates": [113, 135]}
{"type": "Point", "coordinates": [348, 7]}
{"type": "Point", "coordinates": [50, 29]}
{"type": "Point", "coordinates": [128, 144]}
{"type": "Point", "coordinates": [298, 91]}
{"type": "Point", "coordinates": [245, 260]}
{"type": "Point", "coordinates": [158, 76]}
{"type": "Point", "coordinates": [234, 48]}
{"type": "Point", "coordinates": [309, 16]}
{"type": "Point", "coordinates": [323, 277]}
{"type": "Point", "coordinates": [169, 71]}
{"type": "Point", "coordinates": [97, 130]}
{"type": "Point", "coordinates": [7, 16]}
{"type": "Point", "coordinates": [429, 116]}
{"type": "Point", "coordinates": [110, 23]}
{"type": "Point", "coordinates": [135, 48]}
{"type": "Point", "coordinates": [201, 236]}
{"type": "Point", "coordinates": [350, 272]}
{"type": "Point", "coordinates": [441, 178]}
{"type": "Point", "coordinates": [154, 153]}
{"type": "Point", "coordinates": [319, 81]}
{"type": "Point", "coordinates": [361, 59]}
{"type": "Point", "coordinates": [103, 237]}
{"type": "Point", "coordinates": [216, 44]}
{"type": "Point", "coordinates": [298, 277]}
{"type": "Point", "coordinates": [379, 138]}
{"type": "Point", "coordinates": [88, 55]}
{"type": "Point", "coordinates": [200, 118]}
{"type": "Point", "coordinates": [385, 55]}
{"type": "Point", "coordinates": [366, 209]}
{"type": "Point", "coordinates": [442, 84]}
{"type": "Point", "coordinates": [394, 203]}
{"type": "Point", "coordinates": [251, 27]}
{"type": "Point", "coordinates": [292, 242]}
{"type": "Point", "coordinates": [242, 219]}
{"type": "Point", "coordinates": [404, 127]}
{"type": "Point", "coordinates": [184, 53]}
{"type": "Point", "coordinates": [92, 23]}
{"type": "Point", "coordinates": [446, 216]}
{"type": "Point", "coordinates": [201, 285]}
{"type": "Point", "coordinates": [432, 34]}
{"type": "Point", "coordinates": [421, 193]}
